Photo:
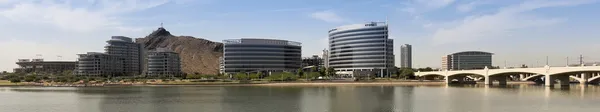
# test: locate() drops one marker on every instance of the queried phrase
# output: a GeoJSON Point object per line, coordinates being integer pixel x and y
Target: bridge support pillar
{"type": "Point", "coordinates": [521, 76]}
{"type": "Point", "coordinates": [584, 78]}
{"type": "Point", "coordinates": [489, 80]}
{"type": "Point", "coordinates": [550, 79]}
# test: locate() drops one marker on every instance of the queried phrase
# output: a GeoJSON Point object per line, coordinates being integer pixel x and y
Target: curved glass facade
{"type": "Point", "coordinates": [261, 55]}
{"type": "Point", "coordinates": [361, 47]}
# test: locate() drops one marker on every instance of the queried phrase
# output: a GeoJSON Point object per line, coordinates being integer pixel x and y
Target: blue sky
{"type": "Point", "coordinates": [517, 31]}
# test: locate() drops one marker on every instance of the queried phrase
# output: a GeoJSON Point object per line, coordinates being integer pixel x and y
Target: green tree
{"type": "Point", "coordinates": [300, 72]}
{"type": "Point", "coordinates": [15, 80]}
{"type": "Point", "coordinates": [330, 72]}
{"type": "Point", "coordinates": [313, 75]}
{"type": "Point", "coordinates": [426, 69]}
{"type": "Point", "coordinates": [406, 73]}
{"type": "Point", "coordinates": [322, 71]}
{"type": "Point", "coordinates": [30, 78]}
{"type": "Point", "coordinates": [241, 76]}
{"type": "Point", "coordinates": [255, 75]}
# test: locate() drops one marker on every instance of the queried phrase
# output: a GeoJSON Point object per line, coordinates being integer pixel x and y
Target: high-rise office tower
{"type": "Point", "coordinates": [406, 56]}
{"type": "Point", "coordinates": [361, 50]}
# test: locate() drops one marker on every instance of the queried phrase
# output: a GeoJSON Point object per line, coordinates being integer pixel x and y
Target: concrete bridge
{"type": "Point", "coordinates": [547, 75]}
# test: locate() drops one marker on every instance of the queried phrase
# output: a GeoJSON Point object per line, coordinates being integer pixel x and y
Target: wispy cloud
{"type": "Point", "coordinates": [64, 16]}
{"type": "Point", "coordinates": [499, 24]}
{"type": "Point", "coordinates": [422, 6]}
{"type": "Point", "coordinates": [327, 16]}
{"type": "Point", "coordinates": [467, 7]}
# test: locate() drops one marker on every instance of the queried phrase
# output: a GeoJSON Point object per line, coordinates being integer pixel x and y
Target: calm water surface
{"type": "Point", "coordinates": [462, 98]}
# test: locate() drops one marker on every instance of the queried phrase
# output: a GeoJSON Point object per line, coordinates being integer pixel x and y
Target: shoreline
{"type": "Point", "coordinates": [264, 84]}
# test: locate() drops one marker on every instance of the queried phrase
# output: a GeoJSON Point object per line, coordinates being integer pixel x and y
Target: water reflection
{"type": "Point", "coordinates": [451, 98]}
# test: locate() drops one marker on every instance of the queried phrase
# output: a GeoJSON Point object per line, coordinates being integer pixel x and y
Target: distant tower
{"type": "Point", "coordinates": [406, 56]}
{"type": "Point", "coordinates": [325, 56]}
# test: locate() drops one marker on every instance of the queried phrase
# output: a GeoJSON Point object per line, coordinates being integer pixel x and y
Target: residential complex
{"type": "Point", "coordinates": [361, 50]}
{"type": "Point", "coordinates": [122, 57]}
{"type": "Point", "coordinates": [41, 66]}
{"type": "Point", "coordinates": [467, 60]}
{"type": "Point", "coordinates": [99, 64]}
{"type": "Point", "coordinates": [130, 52]}
{"type": "Point", "coordinates": [406, 56]}
{"type": "Point", "coordinates": [261, 55]}
{"type": "Point", "coordinates": [163, 62]}
{"type": "Point", "coordinates": [314, 61]}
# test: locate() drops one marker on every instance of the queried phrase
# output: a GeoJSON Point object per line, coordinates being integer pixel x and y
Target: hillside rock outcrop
{"type": "Point", "coordinates": [197, 55]}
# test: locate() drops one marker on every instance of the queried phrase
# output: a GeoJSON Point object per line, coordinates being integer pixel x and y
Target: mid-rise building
{"type": "Point", "coordinates": [130, 52]}
{"type": "Point", "coordinates": [261, 55]}
{"type": "Point", "coordinates": [361, 50]}
{"type": "Point", "coordinates": [97, 64]}
{"type": "Point", "coordinates": [44, 67]}
{"type": "Point", "coordinates": [314, 61]}
{"type": "Point", "coordinates": [122, 57]}
{"type": "Point", "coordinates": [467, 60]}
{"type": "Point", "coordinates": [163, 62]}
{"type": "Point", "coordinates": [406, 56]}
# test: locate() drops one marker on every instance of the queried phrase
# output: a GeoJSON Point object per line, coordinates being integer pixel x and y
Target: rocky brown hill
{"type": "Point", "coordinates": [197, 54]}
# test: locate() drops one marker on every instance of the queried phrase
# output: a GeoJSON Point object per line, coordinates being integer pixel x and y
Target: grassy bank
{"type": "Point", "coordinates": [8, 83]}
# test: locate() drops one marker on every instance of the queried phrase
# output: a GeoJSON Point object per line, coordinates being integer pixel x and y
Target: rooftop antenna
{"type": "Point", "coordinates": [386, 20]}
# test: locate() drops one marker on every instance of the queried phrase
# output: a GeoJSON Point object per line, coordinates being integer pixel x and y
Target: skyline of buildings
{"type": "Point", "coordinates": [406, 56]}
{"type": "Point", "coordinates": [361, 50]}
{"type": "Point", "coordinates": [356, 47]}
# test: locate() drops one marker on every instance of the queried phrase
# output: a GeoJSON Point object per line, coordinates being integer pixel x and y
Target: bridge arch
{"type": "Point", "coordinates": [596, 78]}
{"type": "Point", "coordinates": [513, 72]}
{"type": "Point", "coordinates": [466, 73]}
{"type": "Point", "coordinates": [431, 74]}
{"type": "Point", "coordinates": [574, 71]}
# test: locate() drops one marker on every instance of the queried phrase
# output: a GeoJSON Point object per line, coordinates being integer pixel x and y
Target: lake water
{"type": "Point", "coordinates": [462, 98]}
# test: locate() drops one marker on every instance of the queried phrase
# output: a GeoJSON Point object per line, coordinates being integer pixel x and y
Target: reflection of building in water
{"type": "Point", "coordinates": [261, 99]}
{"type": "Point", "coordinates": [405, 99]}
{"type": "Point", "coordinates": [362, 99]}
{"type": "Point", "coordinates": [316, 99]}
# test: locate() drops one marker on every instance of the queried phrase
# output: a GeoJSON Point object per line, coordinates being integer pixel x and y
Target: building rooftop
{"type": "Point", "coordinates": [261, 41]}
{"type": "Point", "coordinates": [471, 52]}
{"type": "Point", "coordinates": [356, 26]}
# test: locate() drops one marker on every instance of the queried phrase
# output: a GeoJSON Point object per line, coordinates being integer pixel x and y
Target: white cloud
{"type": "Point", "coordinates": [434, 3]}
{"type": "Point", "coordinates": [469, 6]}
{"type": "Point", "coordinates": [499, 24]}
{"type": "Point", "coordinates": [64, 16]}
{"type": "Point", "coordinates": [327, 16]}
{"type": "Point", "coordinates": [422, 6]}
